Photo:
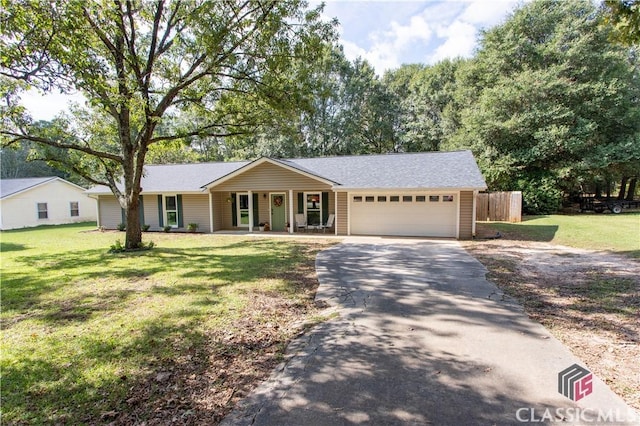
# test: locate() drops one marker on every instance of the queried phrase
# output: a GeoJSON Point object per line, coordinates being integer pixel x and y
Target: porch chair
{"type": "Point", "coordinates": [329, 223]}
{"type": "Point", "coordinates": [301, 222]}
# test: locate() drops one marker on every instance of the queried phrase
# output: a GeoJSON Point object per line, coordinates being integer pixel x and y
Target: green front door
{"type": "Point", "coordinates": [278, 212]}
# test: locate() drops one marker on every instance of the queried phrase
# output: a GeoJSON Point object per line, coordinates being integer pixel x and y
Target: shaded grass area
{"type": "Point", "coordinates": [92, 337]}
{"type": "Point", "coordinates": [615, 233]}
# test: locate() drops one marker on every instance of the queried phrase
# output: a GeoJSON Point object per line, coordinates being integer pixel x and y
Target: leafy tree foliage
{"type": "Point", "coordinates": [426, 99]}
{"type": "Point", "coordinates": [551, 102]}
{"type": "Point", "coordinates": [140, 62]}
{"type": "Point", "coordinates": [624, 18]}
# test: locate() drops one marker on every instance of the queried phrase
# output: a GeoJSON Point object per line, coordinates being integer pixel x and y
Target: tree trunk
{"type": "Point", "coordinates": [623, 188]}
{"type": "Point", "coordinates": [632, 189]}
{"type": "Point", "coordinates": [598, 190]}
{"type": "Point", "coordinates": [134, 232]}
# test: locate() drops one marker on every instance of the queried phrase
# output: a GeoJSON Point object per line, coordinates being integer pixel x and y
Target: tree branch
{"type": "Point", "coordinates": [17, 137]}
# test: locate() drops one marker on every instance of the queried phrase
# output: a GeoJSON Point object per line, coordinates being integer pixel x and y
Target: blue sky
{"type": "Point", "coordinates": [385, 33]}
{"type": "Point", "coordinates": [390, 33]}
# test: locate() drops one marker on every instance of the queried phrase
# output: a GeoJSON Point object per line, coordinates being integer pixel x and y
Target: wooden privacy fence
{"type": "Point", "coordinates": [499, 206]}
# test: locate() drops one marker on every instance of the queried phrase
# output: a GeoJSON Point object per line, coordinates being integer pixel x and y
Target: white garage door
{"type": "Point", "coordinates": [425, 215]}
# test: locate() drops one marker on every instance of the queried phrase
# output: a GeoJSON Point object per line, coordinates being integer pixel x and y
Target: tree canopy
{"type": "Point", "coordinates": [141, 65]}
{"type": "Point", "coordinates": [549, 104]}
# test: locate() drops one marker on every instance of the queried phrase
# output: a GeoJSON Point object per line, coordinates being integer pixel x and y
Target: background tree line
{"type": "Point", "coordinates": [549, 104]}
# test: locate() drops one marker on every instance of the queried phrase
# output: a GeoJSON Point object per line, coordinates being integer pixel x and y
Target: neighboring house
{"type": "Point", "coordinates": [43, 201]}
{"type": "Point", "coordinates": [422, 194]}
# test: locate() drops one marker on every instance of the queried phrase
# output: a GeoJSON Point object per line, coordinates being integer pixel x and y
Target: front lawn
{"type": "Point", "coordinates": [177, 333]}
{"type": "Point", "coordinates": [617, 233]}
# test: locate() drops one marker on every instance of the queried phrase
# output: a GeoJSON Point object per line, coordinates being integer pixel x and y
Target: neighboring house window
{"type": "Point", "coordinates": [171, 210]}
{"type": "Point", "coordinates": [357, 199]}
{"type": "Point", "coordinates": [407, 198]}
{"type": "Point", "coordinates": [434, 198]}
{"type": "Point", "coordinates": [369, 198]}
{"type": "Point", "coordinates": [394, 198]}
{"type": "Point", "coordinates": [420, 198]}
{"type": "Point", "coordinates": [42, 211]}
{"type": "Point", "coordinates": [75, 208]}
{"type": "Point", "coordinates": [382, 198]}
{"type": "Point", "coordinates": [314, 208]}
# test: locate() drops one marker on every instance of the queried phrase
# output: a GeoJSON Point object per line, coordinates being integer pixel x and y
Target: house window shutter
{"type": "Point", "coordinates": [325, 207]}
{"type": "Point", "coordinates": [123, 215]}
{"type": "Point", "coordinates": [300, 202]}
{"type": "Point", "coordinates": [160, 214]}
{"type": "Point", "coordinates": [234, 217]}
{"type": "Point", "coordinates": [180, 218]}
{"type": "Point", "coordinates": [256, 219]}
{"type": "Point", "coordinates": [141, 212]}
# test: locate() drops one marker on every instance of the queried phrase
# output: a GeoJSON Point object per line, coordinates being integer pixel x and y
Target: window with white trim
{"type": "Point", "coordinates": [171, 210]}
{"type": "Point", "coordinates": [43, 212]}
{"type": "Point", "coordinates": [74, 208]}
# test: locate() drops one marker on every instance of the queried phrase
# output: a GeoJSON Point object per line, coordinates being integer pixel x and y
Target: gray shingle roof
{"type": "Point", "coordinates": [424, 170]}
{"type": "Point", "coordinates": [428, 170]}
{"type": "Point", "coordinates": [10, 187]}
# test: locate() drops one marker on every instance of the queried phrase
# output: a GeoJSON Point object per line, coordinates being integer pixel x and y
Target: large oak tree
{"type": "Point", "coordinates": [140, 64]}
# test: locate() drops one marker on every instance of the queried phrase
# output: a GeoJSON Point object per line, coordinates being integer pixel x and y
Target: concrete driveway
{"type": "Point", "coordinates": [421, 338]}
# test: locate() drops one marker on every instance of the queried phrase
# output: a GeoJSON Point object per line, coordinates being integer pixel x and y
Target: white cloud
{"type": "Point", "coordinates": [402, 36]}
{"type": "Point", "coordinates": [429, 32]}
{"type": "Point", "coordinates": [47, 106]}
{"type": "Point", "coordinates": [487, 13]}
{"type": "Point", "coordinates": [461, 35]}
{"type": "Point", "coordinates": [460, 40]}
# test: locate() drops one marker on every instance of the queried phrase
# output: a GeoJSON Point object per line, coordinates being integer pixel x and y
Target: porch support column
{"type": "Point", "coordinates": [210, 212]}
{"type": "Point", "coordinates": [335, 214]}
{"type": "Point", "coordinates": [250, 210]}
{"type": "Point", "coordinates": [348, 213]}
{"type": "Point", "coordinates": [291, 223]}
{"type": "Point", "coordinates": [473, 214]}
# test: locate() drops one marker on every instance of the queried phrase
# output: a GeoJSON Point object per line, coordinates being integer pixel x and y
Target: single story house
{"type": "Point", "coordinates": [428, 194]}
{"type": "Point", "coordinates": [31, 202]}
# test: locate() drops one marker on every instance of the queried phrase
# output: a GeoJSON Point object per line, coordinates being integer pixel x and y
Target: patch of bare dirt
{"type": "Point", "coordinates": [589, 300]}
{"type": "Point", "coordinates": [203, 384]}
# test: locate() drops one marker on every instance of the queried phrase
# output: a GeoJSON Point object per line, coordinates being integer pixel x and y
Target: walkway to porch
{"type": "Point", "coordinates": [275, 234]}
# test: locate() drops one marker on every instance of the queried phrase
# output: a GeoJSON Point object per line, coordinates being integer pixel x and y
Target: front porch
{"type": "Point", "coordinates": [275, 211]}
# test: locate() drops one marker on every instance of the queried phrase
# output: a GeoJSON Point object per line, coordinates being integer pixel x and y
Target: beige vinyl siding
{"type": "Point", "coordinates": [110, 211]}
{"type": "Point", "coordinates": [219, 206]}
{"type": "Point", "coordinates": [227, 222]}
{"type": "Point", "coordinates": [151, 218]}
{"type": "Point", "coordinates": [271, 177]}
{"type": "Point", "coordinates": [195, 209]}
{"type": "Point", "coordinates": [263, 207]}
{"type": "Point", "coordinates": [466, 215]}
{"type": "Point", "coordinates": [342, 219]}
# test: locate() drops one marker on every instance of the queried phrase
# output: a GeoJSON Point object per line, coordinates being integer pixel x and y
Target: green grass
{"type": "Point", "coordinates": [616, 233]}
{"type": "Point", "coordinates": [81, 327]}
